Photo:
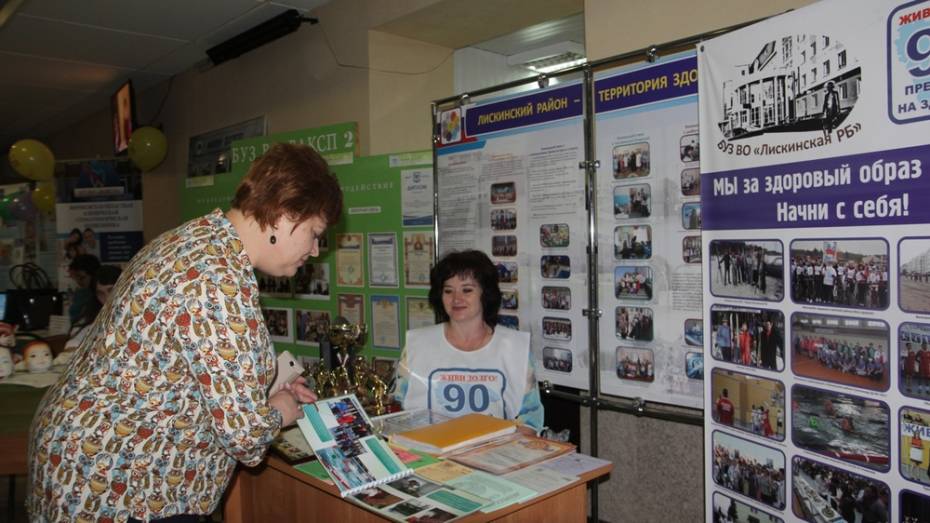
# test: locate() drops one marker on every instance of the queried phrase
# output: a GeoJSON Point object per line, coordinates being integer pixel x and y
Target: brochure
{"type": "Point", "coordinates": [341, 436]}
{"type": "Point", "coordinates": [500, 491]}
{"type": "Point", "coordinates": [512, 453]}
{"type": "Point", "coordinates": [417, 499]}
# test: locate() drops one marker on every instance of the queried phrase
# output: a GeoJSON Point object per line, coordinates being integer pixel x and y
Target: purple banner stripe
{"type": "Point", "coordinates": [533, 109]}
{"type": "Point", "coordinates": [891, 193]}
{"type": "Point", "coordinates": [645, 86]}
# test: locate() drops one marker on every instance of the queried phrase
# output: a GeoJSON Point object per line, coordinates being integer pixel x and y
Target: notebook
{"type": "Point", "coordinates": [341, 436]}
{"type": "Point", "coordinates": [454, 434]}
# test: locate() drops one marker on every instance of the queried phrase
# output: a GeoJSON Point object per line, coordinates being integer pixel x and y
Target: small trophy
{"type": "Point", "coordinates": [342, 372]}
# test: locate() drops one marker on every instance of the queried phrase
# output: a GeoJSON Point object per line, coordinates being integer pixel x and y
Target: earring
{"type": "Point", "coordinates": [273, 239]}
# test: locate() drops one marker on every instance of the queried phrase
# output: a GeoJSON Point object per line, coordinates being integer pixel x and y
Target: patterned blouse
{"type": "Point", "coordinates": [166, 393]}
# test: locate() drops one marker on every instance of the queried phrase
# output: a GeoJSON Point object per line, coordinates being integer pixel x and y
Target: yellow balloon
{"type": "Point", "coordinates": [43, 197]}
{"type": "Point", "coordinates": [32, 159]}
{"type": "Point", "coordinates": [147, 148]}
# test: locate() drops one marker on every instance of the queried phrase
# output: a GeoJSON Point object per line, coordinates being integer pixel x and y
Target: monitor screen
{"type": "Point", "coordinates": [2, 306]}
{"type": "Point", "coordinates": [123, 109]}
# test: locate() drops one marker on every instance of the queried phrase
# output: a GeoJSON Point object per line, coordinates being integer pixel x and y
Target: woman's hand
{"type": "Point", "coordinates": [526, 430]}
{"type": "Point", "coordinates": [287, 400]}
{"type": "Point", "coordinates": [299, 389]}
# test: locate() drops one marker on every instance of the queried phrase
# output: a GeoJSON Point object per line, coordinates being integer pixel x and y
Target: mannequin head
{"type": "Point", "coordinates": [6, 362]}
{"type": "Point", "coordinates": [38, 356]}
{"type": "Point", "coordinates": [7, 335]}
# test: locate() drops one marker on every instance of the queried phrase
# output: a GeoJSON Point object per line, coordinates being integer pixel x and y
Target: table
{"type": "Point", "coordinates": [276, 491]}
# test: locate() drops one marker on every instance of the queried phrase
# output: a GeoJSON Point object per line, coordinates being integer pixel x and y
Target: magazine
{"type": "Point", "coordinates": [292, 446]}
{"type": "Point", "coordinates": [341, 436]}
{"type": "Point", "coordinates": [511, 453]}
{"type": "Point", "coordinates": [417, 499]}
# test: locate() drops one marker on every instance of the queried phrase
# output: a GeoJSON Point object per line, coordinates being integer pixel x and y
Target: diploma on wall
{"type": "Point", "coordinates": [382, 259]}
{"type": "Point", "coordinates": [349, 271]}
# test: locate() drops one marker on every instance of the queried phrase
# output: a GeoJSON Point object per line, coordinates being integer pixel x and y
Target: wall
{"type": "Point", "coordinates": [316, 76]}
{"type": "Point", "coordinates": [658, 465]}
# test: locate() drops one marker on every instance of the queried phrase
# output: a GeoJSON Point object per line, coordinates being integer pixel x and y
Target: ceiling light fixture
{"type": "Point", "coordinates": [550, 58]}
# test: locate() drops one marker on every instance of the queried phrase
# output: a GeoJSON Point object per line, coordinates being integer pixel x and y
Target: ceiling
{"type": "Point", "coordinates": [61, 60]}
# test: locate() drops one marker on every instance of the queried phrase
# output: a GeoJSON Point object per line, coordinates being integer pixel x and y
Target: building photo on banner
{"type": "Point", "coordinates": [509, 184]}
{"type": "Point", "coordinates": [814, 137]}
{"type": "Point", "coordinates": [649, 227]}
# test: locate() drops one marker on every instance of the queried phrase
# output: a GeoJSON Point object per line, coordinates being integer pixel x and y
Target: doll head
{"type": "Point", "coordinates": [7, 335]}
{"type": "Point", "coordinates": [6, 362]}
{"type": "Point", "coordinates": [38, 356]}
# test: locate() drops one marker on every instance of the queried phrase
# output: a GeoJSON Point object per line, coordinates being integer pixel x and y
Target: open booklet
{"type": "Point", "coordinates": [341, 436]}
{"type": "Point", "coordinates": [415, 499]}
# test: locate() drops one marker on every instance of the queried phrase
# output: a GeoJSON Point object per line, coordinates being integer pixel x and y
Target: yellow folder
{"type": "Point", "coordinates": [464, 431]}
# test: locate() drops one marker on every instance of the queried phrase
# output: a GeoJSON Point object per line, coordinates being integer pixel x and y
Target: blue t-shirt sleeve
{"type": "Point", "coordinates": [531, 410]}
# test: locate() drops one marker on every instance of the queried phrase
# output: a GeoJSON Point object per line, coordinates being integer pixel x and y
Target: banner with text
{"type": "Point", "coordinates": [509, 184]}
{"type": "Point", "coordinates": [814, 136]}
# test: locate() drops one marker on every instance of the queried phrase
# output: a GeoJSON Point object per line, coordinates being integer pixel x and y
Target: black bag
{"type": "Point", "coordinates": [33, 300]}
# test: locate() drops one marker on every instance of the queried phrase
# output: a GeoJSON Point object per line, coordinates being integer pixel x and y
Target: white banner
{"type": "Point", "coordinates": [510, 185]}
{"type": "Point", "coordinates": [649, 228]}
{"type": "Point", "coordinates": [814, 138]}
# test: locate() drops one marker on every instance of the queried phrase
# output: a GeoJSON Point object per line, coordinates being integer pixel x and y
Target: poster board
{"type": "Point", "coordinates": [814, 140]}
{"type": "Point", "coordinates": [509, 184]}
{"type": "Point", "coordinates": [372, 266]}
{"type": "Point", "coordinates": [649, 259]}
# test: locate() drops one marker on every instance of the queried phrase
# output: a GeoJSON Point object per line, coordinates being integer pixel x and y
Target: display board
{"type": "Point", "coordinates": [374, 267]}
{"type": "Point", "coordinates": [814, 137]}
{"type": "Point", "coordinates": [509, 184]}
{"type": "Point", "coordinates": [649, 231]}
{"type": "Point", "coordinates": [338, 144]}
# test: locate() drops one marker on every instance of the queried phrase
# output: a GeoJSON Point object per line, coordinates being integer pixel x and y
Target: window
{"type": "Point", "coordinates": [826, 42]}
{"type": "Point", "coordinates": [826, 69]}
{"type": "Point", "coordinates": [786, 48]}
{"type": "Point", "coordinates": [803, 56]}
{"type": "Point", "coordinates": [844, 91]}
{"type": "Point", "coordinates": [803, 81]}
{"type": "Point", "coordinates": [813, 48]}
{"type": "Point", "coordinates": [841, 60]}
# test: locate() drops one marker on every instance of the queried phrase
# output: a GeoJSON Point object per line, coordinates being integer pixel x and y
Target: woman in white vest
{"type": "Point", "coordinates": [464, 364]}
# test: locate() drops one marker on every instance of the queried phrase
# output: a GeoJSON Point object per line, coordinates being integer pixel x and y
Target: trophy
{"type": "Point", "coordinates": [342, 372]}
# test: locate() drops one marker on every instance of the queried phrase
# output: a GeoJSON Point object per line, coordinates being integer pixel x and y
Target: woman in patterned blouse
{"type": "Point", "coordinates": [170, 388]}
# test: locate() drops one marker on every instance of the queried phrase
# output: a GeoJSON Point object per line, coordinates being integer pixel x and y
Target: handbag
{"type": "Point", "coordinates": [33, 299]}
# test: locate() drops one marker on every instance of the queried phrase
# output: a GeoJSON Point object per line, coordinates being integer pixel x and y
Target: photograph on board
{"type": "Point", "coordinates": [841, 426]}
{"type": "Point", "coordinates": [635, 364]}
{"type": "Point", "coordinates": [840, 273]}
{"type": "Point", "coordinates": [845, 350]}
{"type": "Point", "coordinates": [914, 360]}
{"type": "Point", "coordinates": [631, 161]}
{"type": "Point", "coordinates": [730, 510]}
{"type": "Point", "coordinates": [634, 323]}
{"type": "Point", "coordinates": [748, 468]}
{"type": "Point", "coordinates": [557, 359]}
{"type": "Point", "coordinates": [749, 269]}
{"type": "Point", "coordinates": [822, 492]}
{"type": "Point", "coordinates": [633, 282]}
{"type": "Point", "coordinates": [749, 403]}
{"type": "Point", "coordinates": [633, 242]}
{"type": "Point", "coordinates": [749, 337]}
{"type": "Point", "coordinates": [914, 274]}
{"type": "Point", "coordinates": [914, 447]}
{"type": "Point", "coordinates": [632, 201]}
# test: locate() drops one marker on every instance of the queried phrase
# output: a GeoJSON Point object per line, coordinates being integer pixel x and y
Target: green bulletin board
{"type": "Point", "coordinates": [372, 188]}
{"type": "Point", "coordinates": [373, 194]}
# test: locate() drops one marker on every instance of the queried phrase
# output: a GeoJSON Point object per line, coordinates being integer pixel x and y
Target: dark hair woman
{"type": "Point", "coordinates": [467, 363]}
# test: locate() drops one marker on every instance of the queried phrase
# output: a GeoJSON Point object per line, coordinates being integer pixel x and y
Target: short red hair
{"type": "Point", "coordinates": [289, 180]}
